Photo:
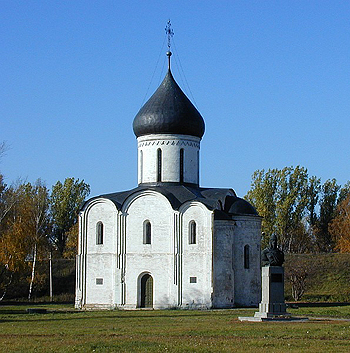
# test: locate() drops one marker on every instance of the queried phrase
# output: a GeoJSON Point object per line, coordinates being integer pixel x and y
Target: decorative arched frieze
{"type": "Point", "coordinates": [135, 196]}
{"type": "Point", "coordinates": [186, 205]}
{"type": "Point", "coordinates": [99, 200]}
{"type": "Point", "coordinates": [165, 150]}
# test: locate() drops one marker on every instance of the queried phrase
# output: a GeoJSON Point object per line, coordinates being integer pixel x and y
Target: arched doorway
{"type": "Point", "coordinates": [146, 291]}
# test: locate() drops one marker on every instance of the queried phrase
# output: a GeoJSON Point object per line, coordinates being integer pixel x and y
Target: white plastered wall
{"type": "Point", "coordinates": [230, 239]}
{"type": "Point", "coordinates": [223, 267]}
{"type": "Point", "coordinates": [247, 281]}
{"type": "Point", "coordinates": [196, 259]}
{"type": "Point", "coordinates": [217, 261]}
{"type": "Point", "coordinates": [170, 146]}
{"type": "Point", "coordinates": [157, 258]}
{"type": "Point", "coordinates": [96, 263]}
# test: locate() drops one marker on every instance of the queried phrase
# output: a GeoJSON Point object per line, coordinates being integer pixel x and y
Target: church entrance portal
{"type": "Point", "coordinates": [146, 291]}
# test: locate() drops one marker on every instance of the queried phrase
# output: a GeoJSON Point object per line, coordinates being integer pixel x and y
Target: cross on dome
{"type": "Point", "coordinates": [169, 111]}
{"type": "Point", "coordinates": [170, 33]}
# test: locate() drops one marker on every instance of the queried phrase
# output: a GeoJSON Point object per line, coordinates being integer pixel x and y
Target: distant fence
{"type": "Point", "coordinates": [328, 278]}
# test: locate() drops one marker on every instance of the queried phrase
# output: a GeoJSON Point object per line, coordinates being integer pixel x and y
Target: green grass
{"type": "Point", "coordinates": [63, 329]}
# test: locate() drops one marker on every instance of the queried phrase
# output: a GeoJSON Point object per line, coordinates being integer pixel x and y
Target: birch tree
{"type": "Point", "coordinates": [38, 221]}
{"type": "Point", "coordinates": [25, 226]}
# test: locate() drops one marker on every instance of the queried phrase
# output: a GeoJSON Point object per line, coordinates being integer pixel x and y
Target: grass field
{"type": "Point", "coordinates": [63, 329]}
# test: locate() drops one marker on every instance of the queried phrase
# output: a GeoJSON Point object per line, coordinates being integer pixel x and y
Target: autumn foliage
{"type": "Point", "coordinates": [35, 222]}
{"type": "Point", "coordinates": [307, 216]}
{"type": "Point", "coordinates": [340, 226]}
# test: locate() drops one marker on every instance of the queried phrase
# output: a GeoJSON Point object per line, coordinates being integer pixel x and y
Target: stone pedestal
{"type": "Point", "coordinates": [272, 306]}
{"type": "Point", "coordinates": [272, 302]}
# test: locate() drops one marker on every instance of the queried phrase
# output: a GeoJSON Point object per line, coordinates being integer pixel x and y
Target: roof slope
{"type": "Point", "coordinates": [224, 201]}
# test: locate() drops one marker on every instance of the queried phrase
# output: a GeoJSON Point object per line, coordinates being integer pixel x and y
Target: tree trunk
{"type": "Point", "coordinates": [6, 286]}
{"type": "Point", "coordinates": [33, 273]}
{"type": "Point", "coordinates": [50, 259]}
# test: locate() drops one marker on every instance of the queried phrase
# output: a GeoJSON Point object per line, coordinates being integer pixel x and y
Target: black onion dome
{"type": "Point", "coordinates": [169, 111]}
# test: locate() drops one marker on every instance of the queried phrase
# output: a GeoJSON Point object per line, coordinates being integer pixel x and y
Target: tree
{"type": "Point", "coordinates": [37, 223]}
{"type": "Point", "coordinates": [339, 228]}
{"type": "Point", "coordinates": [8, 259]}
{"type": "Point", "coordinates": [344, 192]}
{"type": "Point", "coordinates": [263, 196]}
{"type": "Point", "coordinates": [328, 204]}
{"type": "Point", "coordinates": [297, 276]}
{"type": "Point", "coordinates": [26, 227]}
{"type": "Point", "coordinates": [3, 149]}
{"type": "Point", "coordinates": [5, 274]}
{"type": "Point", "coordinates": [280, 197]}
{"type": "Point", "coordinates": [8, 200]}
{"type": "Point", "coordinates": [313, 191]}
{"type": "Point", "coordinates": [71, 248]}
{"type": "Point", "coordinates": [291, 207]}
{"type": "Point", "coordinates": [66, 200]}
{"type": "Point", "coordinates": [298, 208]}
{"type": "Point", "coordinates": [14, 241]}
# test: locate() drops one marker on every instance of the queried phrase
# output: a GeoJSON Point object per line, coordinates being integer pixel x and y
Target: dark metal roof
{"type": "Point", "coordinates": [169, 111]}
{"type": "Point", "coordinates": [236, 205]}
{"type": "Point", "coordinates": [223, 200]}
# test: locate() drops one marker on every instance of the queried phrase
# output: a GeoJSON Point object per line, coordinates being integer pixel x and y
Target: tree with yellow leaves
{"type": "Point", "coordinates": [14, 242]}
{"type": "Point", "coordinates": [24, 228]}
{"type": "Point", "coordinates": [340, 226]}
{"type": "Point", "coordinates": [37, 221]}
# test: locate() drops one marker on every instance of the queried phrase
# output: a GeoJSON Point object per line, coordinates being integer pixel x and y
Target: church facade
{"type": "Point", "coordinates": [168, 243]}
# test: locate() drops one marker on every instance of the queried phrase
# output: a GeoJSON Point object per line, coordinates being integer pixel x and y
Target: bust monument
{"type": "Point", "coordinates": [272, 256]}
{"type": "Point", "coordinates": [272, 305]}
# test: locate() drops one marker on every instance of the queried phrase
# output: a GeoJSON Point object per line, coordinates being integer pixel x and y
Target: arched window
{"type": "Point", "coordinates": [159, 164]}
{"type": "Point", "coordinates": [99, 233]}
{"type": "Point", "coordinates": [192, 232]}
{"type": "Point", "coordinates": [147, 232]}
{"type": "Point", "coordinates": [181, 165]}
{"type": "Point", "coordinates": [246, 256]}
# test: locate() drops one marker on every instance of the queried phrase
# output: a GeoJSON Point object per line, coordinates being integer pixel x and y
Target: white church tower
{"type": "Point", "coordinates": [168, 129]}
{"type": "Point", "coordinates": [168, 242]}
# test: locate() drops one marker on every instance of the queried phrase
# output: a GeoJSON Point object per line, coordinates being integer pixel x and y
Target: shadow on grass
{"type": "Point", "coordinates": [316, 304]}
{"type": "Point", "coordinates": [33, 303]}
{"type": "Point", "coordinates": [117, 314]}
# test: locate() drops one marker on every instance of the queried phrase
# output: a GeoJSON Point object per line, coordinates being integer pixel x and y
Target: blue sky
{"type": "Point", "coordinates": [270, 78]}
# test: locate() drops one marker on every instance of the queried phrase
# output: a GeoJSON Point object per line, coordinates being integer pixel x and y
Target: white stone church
{"type": "Point", "coordinates": [168, 243]}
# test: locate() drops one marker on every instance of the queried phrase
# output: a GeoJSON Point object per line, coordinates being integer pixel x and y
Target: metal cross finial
{"type": "Point", "coordinates": [170, 33]}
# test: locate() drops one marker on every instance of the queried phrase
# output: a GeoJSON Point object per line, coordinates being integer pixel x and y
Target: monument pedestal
{"type": "Point", "coordinates": [272, 302]}
{"type": "Point", "coordinates": [272, 306]}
